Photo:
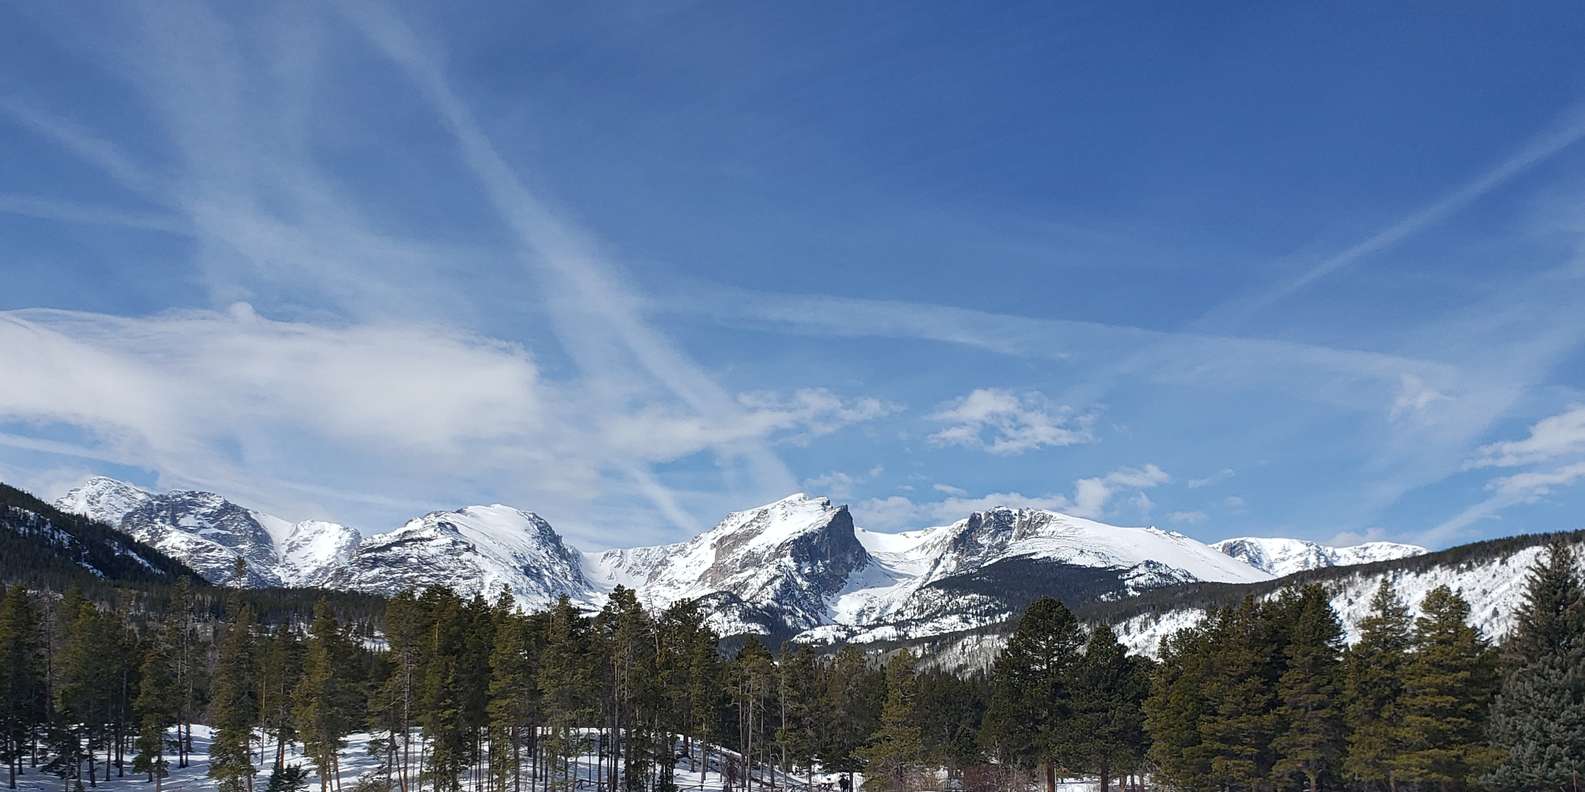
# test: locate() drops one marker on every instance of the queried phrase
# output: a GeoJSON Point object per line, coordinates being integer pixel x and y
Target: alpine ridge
{"type": "Point", "coordinates": [1286, 556]}
{"type": "Point", "coordinates": [799, 567]}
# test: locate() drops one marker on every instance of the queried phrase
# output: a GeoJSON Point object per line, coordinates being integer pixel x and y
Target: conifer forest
{"type": "Point", "coordinates": [436, 693]}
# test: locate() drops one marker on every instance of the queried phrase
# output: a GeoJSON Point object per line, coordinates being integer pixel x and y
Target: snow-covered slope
{"type": "Point", "coordinates": [1492, 582]}
{"type": "Point", "coordinates": [209, 533]}
{"type": "Point", "coordinates": [474, 550]}
{"type": "Point", "coordinates": [982, 569]}
{"type": "Point", "coordinates": [1286, 556]}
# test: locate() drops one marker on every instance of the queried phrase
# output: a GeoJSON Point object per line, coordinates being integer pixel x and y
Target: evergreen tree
{"type": "Point", "coordinates": [233, 707]}
{"type": "Point", "coordinates": [187, 650]}
{"type": "Point", "coordinates": [325, 699]}
{"type": "Point", "coordinates": [896, 753]}
{"type": "Point", "coordinates": [688, 678]}
{"type": "Point", "coordinates": [514, 694]}
{"type": "Point", "coordinates": [1373, 690]}
{"type": "Point", "coordinates": [22, 705]}
{"type": "Point", "coordinates": [280, 668]}
{"type": "Point", "coordinates": [797, 677]}
{"type": "Point", "coordinates": [850, 689]}
{"type": "Point", "coordinates": [1448, 686]}
{"type": "Point", "coordinates": [157, 712]}
{"type": "Point", "coordinates": [1178, 703]}
{"type": "Point", "coordinates": [1029, 719]}
{"type": "Point", "coordinates": [950, 708]}
{"type": "Point", "coordinates": [1310, 739]}
{"type": "Point", "coordinates": [393, 707]}
{"type": "Point", "coordinates": [1108, 696]}
{"type": "Point", "coordinates": [752, 686]}
{"type": "Point", "coordinates": [564, 684]}
{"type": "Point", "coordinates": [1538, 718]}
{"type": "Point", "coordinates": [85, 693]}
{"type": "Point", "coordinates": [628, 641]}
{"type": "Point", "coordinates": [1239, 729]}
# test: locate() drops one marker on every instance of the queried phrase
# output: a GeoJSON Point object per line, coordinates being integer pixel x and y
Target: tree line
{"type": "Point", "coordinates": [459, 693]}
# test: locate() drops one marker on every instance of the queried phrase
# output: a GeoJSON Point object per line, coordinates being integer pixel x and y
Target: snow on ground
{"type": "Point", "coordinates": [356, 763]}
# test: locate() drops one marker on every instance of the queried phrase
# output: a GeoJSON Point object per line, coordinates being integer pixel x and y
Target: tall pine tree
{"type": "Point", "coordinates": [1029, 719]}
{"type": "Point", "coordinates": [22, 705]}
{"type": "Point", "coordinates": [1538, 718]}
{"type": "Point", "coordinates": [233, 707]}
{"type": "Point", "coordinates": [324, 703]}
{"type": "Point", "coordinates": [157, 712]}
{"type": "Point", "coordinates": [1448, 686]}
{"type": "Point", "coordinates": [1373, 690]}
{"type": "Point", "coordinates": [514, 694]}
{"type": "Point", "coordinates": [1310, 737]}
{"type": "Point", "coordinates": [1108, 693]}
{"type": "Point", "coordinates": [896, 752]}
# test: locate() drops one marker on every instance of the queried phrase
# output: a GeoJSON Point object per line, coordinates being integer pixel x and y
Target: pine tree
{"type": "Point", "coordinates": [233, 707]}
{"type": "Point", "coordinates": [1239, 729]}
{"type": "Point", "coordinates": [1108, 695]}
{"type": "Point", "coordinates": [1538, 718]}
{"type": "Point", "coordinates": [514, 694]}
{"type": "Point", "coordinates": [564, 687]}
{"type": "Point", "coordinates": [279, 670]}
{"type": "Point", "coordinates": [687, 671]}
{"type": "Point", "coordinates": [186, 650]}
{"type": "Point", "coordinates": [896, 752]}
{"type": "Point", "coordinates": [393, 707]}
{"type": "Point", "coordinates": [1178, 704]}
{"type": "Point", "coordinates": [1448, 686]}
{"type": "Point", "coordinates": [849, 690]}
{"type": "Point", "coordinates": [797, 678]}
{"type": "Point", "coordinates": [157, 711]}
{"type": "Point", "coordinates": [628, 643]}
{"type": "Point", "coordinates": [22, 705]}
{"type": "Point", "coordinates": [325, 699]}
{"type": "Point", "coordinates": [752, 685]}
{"type": "Point", "coordinates": [950, 708]}
{"type": "Point", "coordinates": [1373, 690]}
{"type": "Point", "coordinates": [1029, 717]}
{"type": "Point", "coordinates": [84, 693]}
{"type": "Point", "coordinates": [1310, 740]}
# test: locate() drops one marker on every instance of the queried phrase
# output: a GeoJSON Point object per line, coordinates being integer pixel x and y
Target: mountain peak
{"type": "Point", "coordinates": [104, 499]}
{"type": "Point", "coordinates": [1282, 556]}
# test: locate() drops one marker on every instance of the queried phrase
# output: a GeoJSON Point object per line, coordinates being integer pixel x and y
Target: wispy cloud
{"type": "Point", "coordinates": [1091, 498]}
{"type": "Point", "coordinates": [1003, 422]}
{"type": "Point", "coordinates": [1547, 449]}
{"type": "Point", "coordinates": [1211, 480]}
{"type": "Point", "coordinates": [1567, 131]}
{"type": "Point", "coordinates": [1550, 438]}
{"type": "Point", "coordinates": [598, 320]}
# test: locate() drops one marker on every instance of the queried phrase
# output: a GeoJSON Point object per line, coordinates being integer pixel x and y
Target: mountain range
{"type": "Point", "coordinates": [798, 567]}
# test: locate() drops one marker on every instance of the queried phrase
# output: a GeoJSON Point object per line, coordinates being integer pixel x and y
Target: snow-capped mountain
{"type": "Point", "coordinates": [784, 561]}
{"type": "Point", "coordinates": [1286, 556]}
{"type": "Point", "coordinates": [986, 567]}
{"type": "Point", "coordinates": [796, 567]}
{"type": "Point", "coordinates": [103, 499]}
{"type": "Point", "coordinates": [209, 533]}
{"type": "Point", "coordinates": [474, 550]}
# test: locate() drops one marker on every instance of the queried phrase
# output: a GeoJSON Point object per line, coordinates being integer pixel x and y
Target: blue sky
{"type": "Point", "coordinates": [1230, 270]}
